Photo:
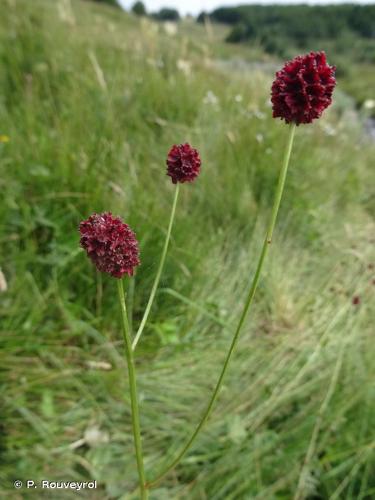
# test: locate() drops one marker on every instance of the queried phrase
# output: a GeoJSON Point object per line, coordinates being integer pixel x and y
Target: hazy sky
{"type": "Point", "coordinates": [196, 6]}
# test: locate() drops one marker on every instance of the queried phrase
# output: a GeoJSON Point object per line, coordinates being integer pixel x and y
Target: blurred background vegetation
{"type": "Point", "coordinates": [346, 32]}
{"type": "Point", "coordinates": [91, 99]}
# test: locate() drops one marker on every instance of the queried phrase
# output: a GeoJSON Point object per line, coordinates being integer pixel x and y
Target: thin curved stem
{"type": "Point", "coordinates": [250, 296]}
{"type": "Point", "coordinates": [133, 393]}
{"type": "Point", "coordinates": [159, 271]}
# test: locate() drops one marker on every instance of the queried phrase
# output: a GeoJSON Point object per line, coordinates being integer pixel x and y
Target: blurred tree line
{"type": "Point", "coordinates": [164, 14]}
{"type": "Point", "coordinates": [277, 27]}
{"type": "Point", "coordinates": [139, 9]}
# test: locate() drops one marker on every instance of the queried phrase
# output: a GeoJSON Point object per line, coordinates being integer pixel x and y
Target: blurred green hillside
{"type": "Point", "coordinates": [91, 99]}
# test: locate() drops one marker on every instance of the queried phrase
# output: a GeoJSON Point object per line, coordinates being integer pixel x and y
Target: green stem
{"type": "Point", "coordinates": [253, 287]}
{"type": "Point", "coordinates": [133, 392]}
{"type": "Point", "coordinates": [130, 303]}
{"type": "Point", "coordinates": [159, 271]}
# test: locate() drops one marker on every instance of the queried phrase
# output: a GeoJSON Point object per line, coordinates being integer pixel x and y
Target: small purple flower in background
{"type": "Point", "coordinates": [183, 163]}
{"type": "Point", "coordinates": [356, 300]}
{"type": "Point", "coordinates": [303, 88]}
{"type": "Point", "coordinates": [110, 244]}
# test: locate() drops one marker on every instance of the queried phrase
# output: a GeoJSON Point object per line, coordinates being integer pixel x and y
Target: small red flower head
{"type": "Point", "coordinates": [303, 88]}
{"type": "Point", "coordinates": [110, 244]}
{"type": "Point", "coordinates": [183, 163]}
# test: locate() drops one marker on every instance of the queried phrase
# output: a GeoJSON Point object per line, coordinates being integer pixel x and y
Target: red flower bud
{"type": "Point", "coordinates": [110, 244]}
{"type": "Point", "coordinates": [303, 88]}
{"type": "Point", "coordinates": [183, 163]}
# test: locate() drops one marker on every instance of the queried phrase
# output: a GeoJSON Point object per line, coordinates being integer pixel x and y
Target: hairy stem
{"type": "Point", "coordinates": [249, 299]}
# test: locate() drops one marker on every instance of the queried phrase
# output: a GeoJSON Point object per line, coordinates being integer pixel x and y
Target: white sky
{"type": "Point", "coordinates": [196, 6]}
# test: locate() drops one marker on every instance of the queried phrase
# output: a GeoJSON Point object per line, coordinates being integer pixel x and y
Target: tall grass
{"type": "Point", "coordinates": [91, 100]}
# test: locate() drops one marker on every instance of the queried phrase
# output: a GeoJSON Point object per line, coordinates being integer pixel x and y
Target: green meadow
{"type": "Point", "coordinates": [91, 99]}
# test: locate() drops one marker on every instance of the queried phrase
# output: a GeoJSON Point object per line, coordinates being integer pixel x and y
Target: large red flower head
{"type": "Point", "coordinates": [110, 244]}
{"type": "Point", "coordinates": [183, 163]}
{"type": "Point", "coordinates": [303, 88]}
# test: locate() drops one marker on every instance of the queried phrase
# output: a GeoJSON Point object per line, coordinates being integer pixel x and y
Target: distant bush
{"type": "Point", "coordinates": [227, 15]}
{"type": "Point", "coordinates": [201, 17]}
{"type": "Point", "coordinates": [166, 14]}
{"type": "Point", "coordinates": [139, 9]}
{"type": "Point", "coordinates": [238, 34]}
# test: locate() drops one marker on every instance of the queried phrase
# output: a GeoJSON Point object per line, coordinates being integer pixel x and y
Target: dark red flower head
{"type": "Point", "coordinates": [303, 88]}
{"type": "Point", "coordinates": [183, 163]}
{"type": "Point", "coordinates": [110, 244]}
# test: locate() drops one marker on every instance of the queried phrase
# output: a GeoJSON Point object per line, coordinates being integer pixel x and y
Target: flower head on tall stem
{"type": "Point", "coordinates": [300, 93]}
{"type": "Point", "coordinates": [303, 88]}
{"type": "Point", "coordinates": [110, 244]}
{"type": "Point", "coordinates": [183, 163]}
